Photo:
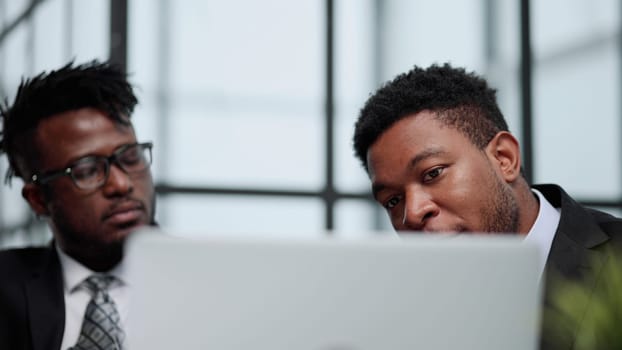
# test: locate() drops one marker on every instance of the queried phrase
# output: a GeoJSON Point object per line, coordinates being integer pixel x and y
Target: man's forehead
{"type": "Point", "coordinates": [83, 120]}
{"type": "Point", "coordinates": [74, 134]}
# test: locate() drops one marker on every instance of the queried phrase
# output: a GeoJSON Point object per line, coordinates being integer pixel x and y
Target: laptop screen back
{"type": "Point", "coordinates": [329, 294]}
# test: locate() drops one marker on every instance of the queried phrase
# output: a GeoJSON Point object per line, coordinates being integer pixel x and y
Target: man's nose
{"type": "Point", "coordinates": [118, 182]}
{"type": "Point", "coordinates": [419, 209]}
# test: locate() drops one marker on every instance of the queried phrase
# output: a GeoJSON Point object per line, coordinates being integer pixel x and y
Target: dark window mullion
{"type": "Point", "coordinates": [118, 33]}
{"type": "Point", "coordinates": [329, 193]}
{"type": "Point", "coordinates": [526, 90]}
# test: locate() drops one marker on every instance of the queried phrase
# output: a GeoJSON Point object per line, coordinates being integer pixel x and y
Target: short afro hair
{"type": "Point", "coordinates": [459, 99]}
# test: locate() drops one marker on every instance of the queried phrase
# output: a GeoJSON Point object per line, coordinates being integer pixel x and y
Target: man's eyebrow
{"type": "Point", "coordinates": [425, 154]}
{"type": "Point", "coordinates": [377, 187]}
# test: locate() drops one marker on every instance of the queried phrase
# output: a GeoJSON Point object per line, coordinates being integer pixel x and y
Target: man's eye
{"type": "Point", "coordinates": [85, 171]}
{"type": "Point", "coordinates": [130, 158]}
{"type": "Point", "coordinates": [432, 174]}
{"type": "Point", "coordinates": [392, 202]}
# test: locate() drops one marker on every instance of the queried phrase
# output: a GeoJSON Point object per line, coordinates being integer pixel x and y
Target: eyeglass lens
{"type": "Point", "coordinates": [93, 171]}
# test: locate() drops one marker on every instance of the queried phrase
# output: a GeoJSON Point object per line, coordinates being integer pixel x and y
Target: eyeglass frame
{"type": "Point", "coordinates": [42, 179]}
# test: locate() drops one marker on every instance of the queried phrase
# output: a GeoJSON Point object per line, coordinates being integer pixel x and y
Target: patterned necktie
{"type": "Point", "coordinates": [101, 329]}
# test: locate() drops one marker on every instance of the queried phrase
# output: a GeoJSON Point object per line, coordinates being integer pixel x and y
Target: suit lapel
{"type": "Point", "coordinates": [572, 257]}
{"type": "Point", "coordinates": [46, 305]}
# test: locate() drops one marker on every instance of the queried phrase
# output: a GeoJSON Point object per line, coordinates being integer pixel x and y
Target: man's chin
{"type": "Point", "coordinates": [122, 233]}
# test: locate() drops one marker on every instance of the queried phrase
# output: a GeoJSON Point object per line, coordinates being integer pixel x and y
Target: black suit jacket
{"type": "Point", "coordinates": [579, 251]}
{"type": "Point", "coordinates": [32, 305]}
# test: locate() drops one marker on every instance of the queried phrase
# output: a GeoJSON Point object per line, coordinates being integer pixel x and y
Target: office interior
{"type": "Point", "coordinates": [251, 104]}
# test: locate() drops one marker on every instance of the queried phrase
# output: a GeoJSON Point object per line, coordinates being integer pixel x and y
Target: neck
{"type": "Point", "coordinates": [97, 259]}
{"type": "Point", "coordinates": [529, 206]}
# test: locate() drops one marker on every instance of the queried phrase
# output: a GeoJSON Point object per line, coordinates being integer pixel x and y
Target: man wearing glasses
{"type": "Point", "coordinates": [69, 137]}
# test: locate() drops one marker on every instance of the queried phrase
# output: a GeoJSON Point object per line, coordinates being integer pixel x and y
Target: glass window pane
{"type": "Point", "coordinates": [415, 32]}
{"type": "Point", "coordinates": [37, 234]}
{"type": "Point", "coordinates": [241, 216]}
{"type": "Point", "coordinates": [147, 45]}
{"type": "Point", "coordinates": [14, 8]}
{"type": "Point", "coordinates": [91, 30]}
{"type": "Point", "coordinates": [503, 60]}
{"type": "Point", "coordinates": [577, 125]}
{"type": "Point", "coordinates": [576, 97]}
{"type": "Point", "coordinates": [15, 51]}
{"type": "Point", "coordinates": [36, 45]}
{"type": "Point", "coordinates": [246, 107]}
{"type": "Point", "coordinates": [359, 218]}
{"type": "Point", "coordinates": [270, 48]}
{"type": "Point", "coordinates": [255, 148]}
{"type": "Point", "coordinates": [354, 79]}
{"type": "Point", "coordinates": [560, 24]}
{"type": "Point", "coordinates": [49, 39]}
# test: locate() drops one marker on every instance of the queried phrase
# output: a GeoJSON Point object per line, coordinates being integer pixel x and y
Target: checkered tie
{"type": "Point", "coordinates": [101, 329]}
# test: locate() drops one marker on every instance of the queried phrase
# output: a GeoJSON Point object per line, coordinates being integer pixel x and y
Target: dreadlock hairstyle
{"type": "Point", "coordinates": [99, 85]}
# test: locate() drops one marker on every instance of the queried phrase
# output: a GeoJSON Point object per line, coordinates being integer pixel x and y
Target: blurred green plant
{"type": "Point", "coordinates": [593, 314]}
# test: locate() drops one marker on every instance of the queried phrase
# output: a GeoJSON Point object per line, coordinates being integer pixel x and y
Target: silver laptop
{"type": "Point", "coordinates": [417, 292]}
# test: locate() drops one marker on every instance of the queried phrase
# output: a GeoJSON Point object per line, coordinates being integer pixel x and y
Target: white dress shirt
{"type": "Point", "coordinates": [543, 230]}
{"type": "Point", "coordinates": [77, 299]}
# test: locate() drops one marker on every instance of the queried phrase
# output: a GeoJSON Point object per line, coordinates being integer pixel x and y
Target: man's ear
{"type": "Point", "coordinates": [36, 198]}
{"type": "Point", "coordinates": [504, 151]}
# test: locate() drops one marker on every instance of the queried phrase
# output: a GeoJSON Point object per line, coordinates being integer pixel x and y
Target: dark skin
{"type": "Point", "coordinates": [430, 177]}
{"type": "Point", "coordinates": [89, 225]}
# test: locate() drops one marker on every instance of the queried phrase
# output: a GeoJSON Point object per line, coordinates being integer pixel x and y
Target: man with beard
{"type": "Point", "coordinates": [69, 137]}
{"type": "Point", "coordinates": [440, 158]}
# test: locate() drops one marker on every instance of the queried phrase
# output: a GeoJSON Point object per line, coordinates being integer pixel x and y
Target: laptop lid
{"type": "Point", "coordinates": [418, 292]}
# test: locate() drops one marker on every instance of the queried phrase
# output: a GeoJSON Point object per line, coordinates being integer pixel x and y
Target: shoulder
{"type": "Point", "coordinates": [24, 254]}
{"type": "Point", "coordinates": [585, 225]}
{"type": "Point", "coordinates": [606, 220]}
{"type": "Point", "coordinates": [20, 290]}
{"type": "Point", "coordinates": [20, 261]}
{"type": "Point", "coordinates": [560, 199]}
{"type": "Point", "coordinates": [610, 224]}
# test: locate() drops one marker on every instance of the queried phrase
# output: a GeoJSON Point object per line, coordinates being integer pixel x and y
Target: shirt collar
{"type": "Point", "coordinates": [543, 229]}
{"type": "Point", "coordinates": [74, 272]}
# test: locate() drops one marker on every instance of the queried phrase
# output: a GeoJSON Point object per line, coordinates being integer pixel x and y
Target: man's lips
{"type": "Point", "coordinates": [124, 213]}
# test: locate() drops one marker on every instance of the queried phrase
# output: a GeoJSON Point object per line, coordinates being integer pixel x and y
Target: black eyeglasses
{"type": "Point", "coordinates": [92, 172]}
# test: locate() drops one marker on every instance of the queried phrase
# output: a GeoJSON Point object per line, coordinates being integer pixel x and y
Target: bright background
{"type": "Point", "coordinates": [251, 104]}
